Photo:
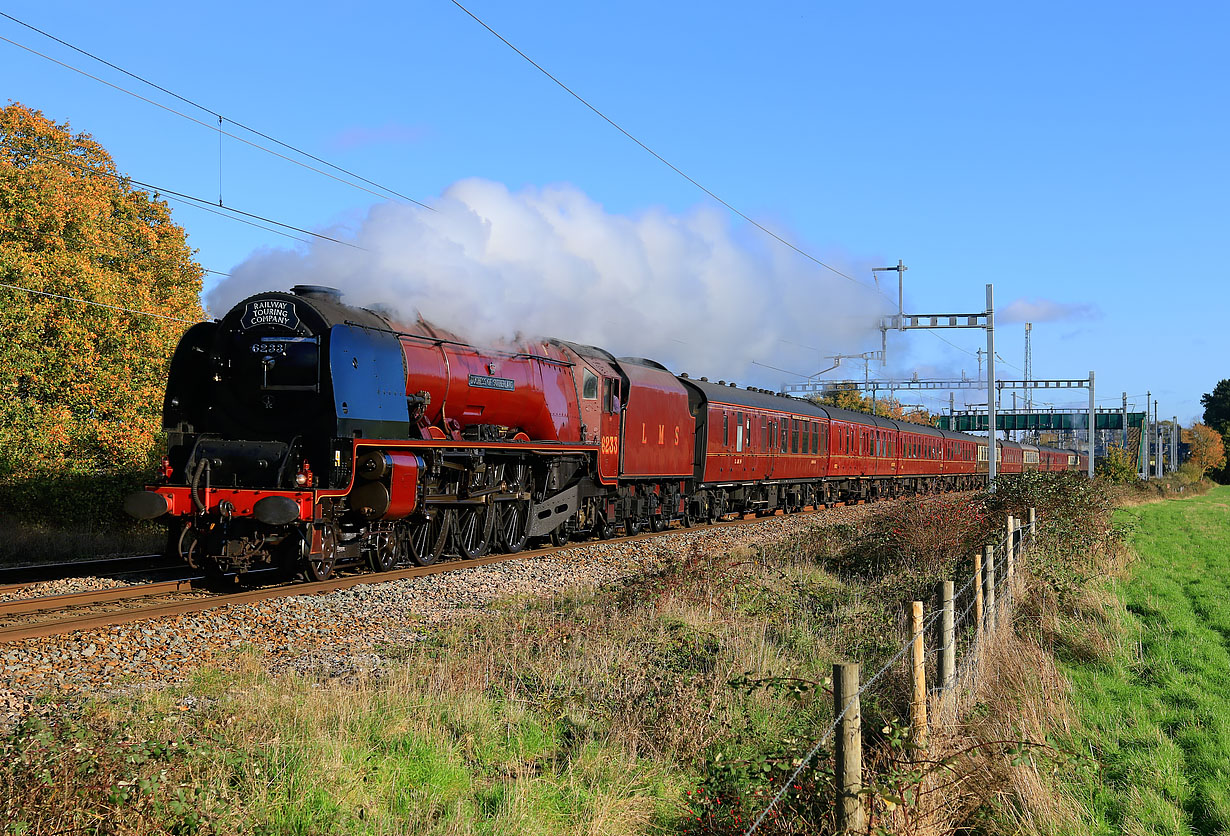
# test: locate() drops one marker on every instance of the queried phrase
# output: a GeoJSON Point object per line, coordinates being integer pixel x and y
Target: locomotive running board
{"type": "Point", "coordinates": [548, 515]}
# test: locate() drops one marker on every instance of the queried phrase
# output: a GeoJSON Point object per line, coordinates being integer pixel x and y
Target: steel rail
{"type": "Point", "coordinates": [95, 620]}
{"type": "Point", "coordinates": [46, 572]}
{"type": "Point", "coordinates": [94, 596]}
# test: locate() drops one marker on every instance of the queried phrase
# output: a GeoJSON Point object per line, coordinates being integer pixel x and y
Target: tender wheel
{"type": "Point", "coordinates": [384, 551]}
{"type": "Point", "coordinates": [320, 566]}
{"type": "Point", "coordinates": [473, 532]}
{"type": "Point", "coordinates": [513, 527]}
{"type": "Point", "coordinates": [632, 527]}
{"type": "Point", "coordinates": [658, 522]}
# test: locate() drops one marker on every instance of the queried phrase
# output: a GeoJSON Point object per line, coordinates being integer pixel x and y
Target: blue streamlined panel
{"type": "Point", "coordinates": [369, 383]}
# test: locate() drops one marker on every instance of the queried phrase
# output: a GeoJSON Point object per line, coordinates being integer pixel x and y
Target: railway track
{"type": "Point", "coordinates": [17, 576]}
{"type": "Point", "coordinates": [32, 618]}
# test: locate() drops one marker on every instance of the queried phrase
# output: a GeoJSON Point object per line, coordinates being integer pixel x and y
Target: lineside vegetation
{"type": "Point", "coordinates": [677, 703]}
{"type": "Point", "coordinates": [80, 385]}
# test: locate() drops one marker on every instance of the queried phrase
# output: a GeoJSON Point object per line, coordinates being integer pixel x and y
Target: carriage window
{"type": "Point", "coordinates": [824, 438]}
{"type": "Point", "coordinates": [764, 433]}
{"type": "Point", "coordinates": [794, 435]}
{"type": "Point", "coordinates": [815, 438]}
{"type": "Point", "coordinates": [726, 429]}
{"type": "Point", "coordinates": [589, 386]}
{"type": "Point", "coordinates": [738, 432]}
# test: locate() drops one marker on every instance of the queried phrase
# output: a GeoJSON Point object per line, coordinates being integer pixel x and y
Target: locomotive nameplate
{"type": "Point", "coordinates": [280, 312]}
{"type": "Point", "coordinates": [482, 381]}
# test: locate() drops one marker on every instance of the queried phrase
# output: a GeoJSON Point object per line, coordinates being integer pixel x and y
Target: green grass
{"type": "Point", "coordinates": [1156, 711]}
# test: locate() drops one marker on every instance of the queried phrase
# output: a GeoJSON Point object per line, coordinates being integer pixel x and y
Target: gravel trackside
{"type": "Point", "coordinates": [339, 634]}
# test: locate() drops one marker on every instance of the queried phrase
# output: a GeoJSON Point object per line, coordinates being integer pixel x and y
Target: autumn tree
{"type": "Point", "coordinates": [1217, 416]}
{"type": "Point", "coordinates": [854, 401]}
{"type": "Point", "coordinates": [81, 384]}
{"type": "Point", "coordinates": [1118, 466]}
{"type": "Point", "coordinates": [1208, 449]}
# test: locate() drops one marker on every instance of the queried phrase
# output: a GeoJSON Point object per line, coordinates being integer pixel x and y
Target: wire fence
{"type": "Point", "coordinates": [986, 597]}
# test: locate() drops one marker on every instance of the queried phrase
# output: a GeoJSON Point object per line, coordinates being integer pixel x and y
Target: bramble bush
{"type": "Point", "coordinates": [922, 536]}
{"type": "Point", "coordinates": [79, 775]}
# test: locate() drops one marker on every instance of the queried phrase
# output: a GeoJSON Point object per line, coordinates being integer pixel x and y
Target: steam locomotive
{"type": "Point", "coordinates": [307, 433]}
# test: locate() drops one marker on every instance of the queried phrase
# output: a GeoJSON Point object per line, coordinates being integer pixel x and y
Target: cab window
{"type": "Point", "coordinates": [589, 386]}
{"type": "Point", "coordinates": [610, 394]}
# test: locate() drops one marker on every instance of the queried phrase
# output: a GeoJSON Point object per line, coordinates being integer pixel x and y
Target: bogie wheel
{"type": "Point", "coordinates": [383, 551]}
{"type": "Point", "coordinates": [215, 575]}
{"type": "Point", "coordinates": [559, 535]}
{"type": "Point", "coordinates": [513, 527]}
{"type": "Point", "coordinates": [658, 522]}
{"type": "Point", "coordinates": [319, 566]}
{"type": "Point", "coordinates": [632, 526]}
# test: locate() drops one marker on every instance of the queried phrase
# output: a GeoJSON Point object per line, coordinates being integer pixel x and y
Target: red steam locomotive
{"type": "Point", "coordinates": [309, 433]}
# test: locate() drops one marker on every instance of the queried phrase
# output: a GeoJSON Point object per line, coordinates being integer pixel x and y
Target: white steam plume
{"type": "Point", "coordinates": [687, 290]}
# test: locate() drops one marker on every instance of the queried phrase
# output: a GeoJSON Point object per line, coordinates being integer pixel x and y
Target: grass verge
{"type": "Point", "coordinates": [678, 702]}
{"type": "Point", "coordinates": [1153, 703]}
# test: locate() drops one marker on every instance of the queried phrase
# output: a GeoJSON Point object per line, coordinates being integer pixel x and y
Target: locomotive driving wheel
{"type": "Point", "coordinates": [424, 541]}
{"type": "Point", "coordinates": [320, 565]}
{"type": "Point", "coordinates": [472, 532]}
{"type": "Point", "coordinates": [513, 527]}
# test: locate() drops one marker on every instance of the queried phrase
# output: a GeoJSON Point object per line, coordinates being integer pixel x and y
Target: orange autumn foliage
{"type": "Point", "coordinates": [1208, 448]}
{"type": "Point", "coordinates": [855, 401]}
{"type": "Point", "coordinates": [81, 386]}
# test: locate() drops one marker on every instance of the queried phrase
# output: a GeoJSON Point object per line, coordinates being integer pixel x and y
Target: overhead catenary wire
{"type": "Point", "coordinates": [223, 214]}
{"type": "Point", "coordinates": [159, 190]}
{"type": "Point", "coordinates": [221, 132]}
{"type": "Point", "coordinates": [688, 177]}
{"type": "Point", "coordinates": [662, 159]}
{"type": "Point", "coordinates": [99, 304]}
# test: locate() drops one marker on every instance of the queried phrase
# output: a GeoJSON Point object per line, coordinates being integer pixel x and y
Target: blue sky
{"type": "Point", "coordinates": [1072, 154]}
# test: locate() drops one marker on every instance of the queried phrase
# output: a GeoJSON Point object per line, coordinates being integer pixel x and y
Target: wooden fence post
{"type": "Point", "coordinates": [948, 646]}
{"type": "Point", "coordinates": [979, 583]}
{"type": "Point", "coordinates": [1018, 538]}
{"type": "Point", "coordinates": [848, 750]}
{"type": "Point", "coordinates": [1010, 558]}
{"type": "Point", "coordinates": [988, 583]}
{"type": "Point", "coordinates": [1033, 523]}
{"type": "Point", "coordinates": [918, 659]}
